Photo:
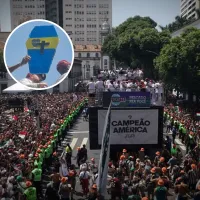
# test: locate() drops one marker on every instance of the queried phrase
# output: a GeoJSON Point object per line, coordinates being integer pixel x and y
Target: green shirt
{"type": "Point", "coordinates": [47, 153]}
{"type": "Point", "coordinates": [39, 164]}
{"type": "Point", "coordinates": [30, 193]}
{"type": "Point", "coordinates": [37, 174]}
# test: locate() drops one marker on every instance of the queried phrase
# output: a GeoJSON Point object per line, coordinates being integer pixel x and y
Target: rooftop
{"type": "Point", "coordinates": [87, 48]}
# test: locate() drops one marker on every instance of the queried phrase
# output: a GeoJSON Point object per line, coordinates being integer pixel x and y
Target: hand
{"type": "Point", "coordinates": [43, 85]}
{"type": "Point", "coordinates": [25, 60]}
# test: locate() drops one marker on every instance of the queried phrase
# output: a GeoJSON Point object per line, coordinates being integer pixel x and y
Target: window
{"type": "Point", "coordinates": [96, 55]}
{"type": "Point", "coordinates": [79, 55]}
{"type": "Point", "coordinates": [105, 62]}
{"type": "Point", "coordinates": [88, 55]}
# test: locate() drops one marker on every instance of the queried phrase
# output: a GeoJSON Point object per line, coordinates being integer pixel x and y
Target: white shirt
{"type": "Point", "coordinates": [84, 175]}
{"type": "Point", "coordinates": [29, 83]}
{"type": "Point", "coordinates": [75, 98]}
{"type": "Point", "coordinates": [99, 85]}
{"type": "Point", "coordinates": [111, 87]}
{"type": "Point", "coordinates": [91, 87]}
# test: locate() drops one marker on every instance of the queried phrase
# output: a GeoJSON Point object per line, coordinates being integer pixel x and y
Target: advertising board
{"type": "Point", "coordinates": [127, 99]}
{"type": "Point", "coordinates": [130, 126]}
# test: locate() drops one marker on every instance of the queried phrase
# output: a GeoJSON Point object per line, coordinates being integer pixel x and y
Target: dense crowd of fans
{"type": "Point", "coordinates": [26, 149]}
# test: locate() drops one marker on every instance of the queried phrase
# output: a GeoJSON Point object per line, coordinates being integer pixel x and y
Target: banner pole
{"type": "Point", "coordinates": [104, 155]}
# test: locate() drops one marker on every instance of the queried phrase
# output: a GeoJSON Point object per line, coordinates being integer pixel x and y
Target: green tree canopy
{"type": "Point", "coordinates": [179, 62]}
{"type": "Point", "coordinates": [136, 41]}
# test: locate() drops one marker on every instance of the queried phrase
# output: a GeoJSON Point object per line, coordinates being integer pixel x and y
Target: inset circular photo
{"type": "Point", "coordinates": [39, 54]}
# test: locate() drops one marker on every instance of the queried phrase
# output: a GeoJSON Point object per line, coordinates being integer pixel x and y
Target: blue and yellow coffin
{"type": "Point", "coordinates": [41, 47]}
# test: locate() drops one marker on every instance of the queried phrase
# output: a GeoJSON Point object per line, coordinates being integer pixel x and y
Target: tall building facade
{"type": "Point", "coordinates": [82, 19]}
{"type": "Point", "coordinates": [54, 11]}
{"type": "Point", "coordinates": [189, 7]}
{"type": "Point", "coordinates": [23, 10]}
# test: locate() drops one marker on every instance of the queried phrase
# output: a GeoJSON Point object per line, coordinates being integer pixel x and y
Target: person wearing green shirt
{"type": "Point", "coordinates": [134, 195]}
{"type": "Point", "coordinates": [47, 157]}
{"type": "Point", "coordinates": [160, 191]}
{"type": "Point", "coordinates": [184, 131]}
{"type": "Point", "coordinates": [37, 177]}
{"type": "Point", "coordinates": [38, 163]}
{"type": "Point", "coordinates": [30, 193]}
{"type": "Point", "coordinates": [174, 150]}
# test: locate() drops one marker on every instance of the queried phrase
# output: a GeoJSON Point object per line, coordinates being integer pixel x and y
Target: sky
{"type": "Point", "coordinates": [16, 50]}
{"type": "Point", "coordinates": [162, 11]}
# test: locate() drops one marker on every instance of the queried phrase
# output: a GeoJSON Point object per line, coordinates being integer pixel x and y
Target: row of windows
{"type": "Point", "coordinates": [103, 5]}
{"type": "Point", "coordinates": [79, 19]}
{"type": "Point", "coordinates": [88, 55]}
{"type": "Point", "coordinates": [28, 6]}
{"type": "Point", "coordinates": [91, 32]}
{"type": "Point", "coordinates": [91, 19]}
{"type": "Point", "coordinates": [91, 6]}
{"type": "Point", "coordinates": [28, 13]}
{"type": "Point", "coordinates": [68, 25]}
{"type": "Point", "coordinates": [68, 18]}
{"type": "Point", "coordinates": [68, 11]}
{"type": "Point", "coordinates": [79, 12]}
{"type": "Point", "coordinates": [79, 32]}
{"type": "Point", "coordinates": [91, 25]}
{"type": "Point", "coordinates": [79, 39]}
{"type": "Point", "coordinates": [79, 6]}
{"type": "Point", "coordinates": [91, 13]}
{"type": "Point", "coordinates": [79, 26]}
{"type": "Point", "coordinates": [91, 39]}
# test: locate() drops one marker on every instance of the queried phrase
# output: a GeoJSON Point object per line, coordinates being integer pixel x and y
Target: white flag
{"type": "Point", "coordinates": [104, 156]}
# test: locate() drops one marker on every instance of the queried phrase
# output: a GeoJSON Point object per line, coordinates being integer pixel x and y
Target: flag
{"type": "Point", "coordinates": [26, 109]}
{"type": "Point", "coordinates": [22, 134]}
{"type": "Point", "coordinates": [104, 156]}
{"type": "Point", "coordinates": [198, 114]}
{"type": "Point", "coordinates": [15, 118]}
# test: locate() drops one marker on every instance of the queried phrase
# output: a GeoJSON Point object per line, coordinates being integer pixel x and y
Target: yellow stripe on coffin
{"type": "Point", "coordinates": [49, 43]}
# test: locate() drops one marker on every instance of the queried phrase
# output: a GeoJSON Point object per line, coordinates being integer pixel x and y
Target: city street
{"type": "Point", "coordinates": [79, 135]}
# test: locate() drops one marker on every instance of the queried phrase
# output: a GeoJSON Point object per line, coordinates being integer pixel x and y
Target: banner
{"type": "Point", "coordinates": [105, 153]}
{"type": "Point", "coordinates": [127, 99]}
{"type": "Point", "coordinates": [130, 126]}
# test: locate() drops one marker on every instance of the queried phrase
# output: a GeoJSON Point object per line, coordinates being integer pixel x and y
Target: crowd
{"type": "Point", "coordinates": [26, 149]}
{"type": "Point", "coordinates": [125, 81]}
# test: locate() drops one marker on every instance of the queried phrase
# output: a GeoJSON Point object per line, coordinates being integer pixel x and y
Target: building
{"type": "Point", "coordinates": [90, 55]}
{"type": "Point", "coordinates": [23, 10]}
{"type": "Point", "coordinates": [4, 36]}
{"type": "Point", "coordinates": [104, 32]}
{"type": "Point", "coordinates": [82, 19]}
{"type": "Point", "coordinates": [189, 7]}
{"type": "Point", "coordinates": [195, 24]}
{"type": "Point", "coordinates": [54, 11]}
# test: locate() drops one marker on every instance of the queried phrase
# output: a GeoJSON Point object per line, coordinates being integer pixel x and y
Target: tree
{"type": "Point", "coordinates": [133, 41]}
{"type": "Point", "coordinates": [2, 65]}
{"type": "Point", "coordinates": [179, 62]}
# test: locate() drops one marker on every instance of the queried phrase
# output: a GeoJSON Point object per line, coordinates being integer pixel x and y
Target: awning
{"type": "Point", "coordinates": [17, 87]}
